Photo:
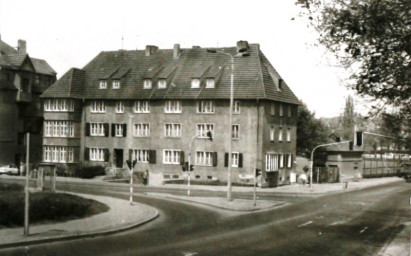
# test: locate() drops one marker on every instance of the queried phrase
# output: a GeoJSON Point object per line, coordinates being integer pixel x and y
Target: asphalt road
{"type": "Point", "coordinates": [352, 223]}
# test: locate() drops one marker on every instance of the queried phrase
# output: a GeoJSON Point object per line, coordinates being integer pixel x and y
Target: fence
{"type": "Point", "coordinates": [380, 167]}
{"type": "Point", "coordinates": [326, 174]}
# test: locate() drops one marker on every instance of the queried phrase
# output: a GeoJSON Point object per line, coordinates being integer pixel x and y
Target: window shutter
{"type": "Point", "coordinates": [87, 129]}
{"type": "Point", "coordinates": [279, 161]}
{"type": "Point", "coordinates": [181, 157]}
{"type": "Point", "coordinates": [130, 154]}
{"type": "Point", "coordinates": [106, 129]}
{"type": "Point", "coordinates": [113, 130]}
{"type": "Point", "coordinates": [226, 160]}
{"type": "Point", "coordinates": [106, 155]}
{"type": "Point", "coordinates": [240, 160]}
{"type": "Point", "coordinates": [291, 160]}
{"type": "Point", "coordinates": [87, 154]}
{"type": "Point", "coordinates": [215, 158]}
{"type": "Point", "coordinates": [124, 130]}
{"type": "Point", "coordinates": [152, 157]}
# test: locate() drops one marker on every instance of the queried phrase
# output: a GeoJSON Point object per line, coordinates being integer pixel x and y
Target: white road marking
{"type": "Point", "coordinates": [189, 253]}
{"type": "Point", "coordinates": [305, 224]}
{"type": "Point", "coordinates": [363, 230]}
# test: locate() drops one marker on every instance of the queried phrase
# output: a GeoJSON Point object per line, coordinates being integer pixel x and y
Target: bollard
{"type": "Point", "coordinates": [345, 184]}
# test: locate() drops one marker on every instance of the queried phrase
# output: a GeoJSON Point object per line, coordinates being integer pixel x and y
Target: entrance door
{"type": "Point", "coordinates": [118, 153]}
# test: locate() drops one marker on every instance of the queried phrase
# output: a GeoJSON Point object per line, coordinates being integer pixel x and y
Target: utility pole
{"type": "Point", "coordinates": [26, 201]}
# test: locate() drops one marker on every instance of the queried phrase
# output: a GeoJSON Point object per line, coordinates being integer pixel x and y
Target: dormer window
{"type": "Point", "coordinates": [147, 83]}
{"type": "Point", "coordinates": [280, 84]}
{"type": "Point", "coordinates": [116, 84]}
{"type": "Point", "coordinates": [195, 83]}
{"type": "Point", "coordinates": [103, 84]}
{"type": "Point", "coordinates": [162, 84]}
{"type": "Point", "coordinates": [210, 83]}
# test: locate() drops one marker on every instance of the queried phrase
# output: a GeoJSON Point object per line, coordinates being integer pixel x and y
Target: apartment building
{"type": "Point", "coordinates": [157, 105]}
{"type": "Point", "coordinates": [22, 80]}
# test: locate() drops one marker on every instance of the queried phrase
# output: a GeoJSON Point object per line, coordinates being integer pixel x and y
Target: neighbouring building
{"type": "Point", "coordinates": [152, 104]}
{"type": "Point", "coordinates": [22, 80]}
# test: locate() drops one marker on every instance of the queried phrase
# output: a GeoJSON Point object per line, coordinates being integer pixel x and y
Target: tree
{"type": "Point", "coordinates": [348, 119]}
{"type": "Point", "coordinates": [372, 38]}
{"type": "Point", "coordinates": [311, 132]}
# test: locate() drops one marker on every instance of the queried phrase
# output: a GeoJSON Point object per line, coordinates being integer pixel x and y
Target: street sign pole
{"type": "Point", "coordinates": [26, 201]}
{"type": "Point", "coordinates": [255, 182]}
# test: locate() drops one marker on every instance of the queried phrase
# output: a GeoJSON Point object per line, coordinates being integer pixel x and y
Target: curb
{"type": "Point", "coordinates": [84, 235]}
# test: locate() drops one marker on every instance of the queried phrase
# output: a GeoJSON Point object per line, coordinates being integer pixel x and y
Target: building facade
{"type": "Point", "coordinates": [156, 106]}
{"type": "Point", "coordinates": [22, 80]}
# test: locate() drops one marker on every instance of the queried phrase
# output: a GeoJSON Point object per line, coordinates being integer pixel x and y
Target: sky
{"type": "Point", "coordinates": [71, 33]}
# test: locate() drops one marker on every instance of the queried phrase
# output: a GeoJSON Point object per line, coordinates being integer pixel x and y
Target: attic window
{"type": "Point", "coordinates": [210, 83]}
{"type": "Point", "coordinates": [116, 84]}
{"type": "Point", "coordinates": [195, 83]}
{"type": "Point", "coordinates": [162, 83]}
{"type": "Point", "coordinates": [103, 84]}
{"type": "Point", "coordinates": [280, 84]}
{"type": "Point", "coordinates": [147, 83]}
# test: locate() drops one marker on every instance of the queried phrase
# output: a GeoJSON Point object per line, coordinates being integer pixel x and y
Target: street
{"type": "Point", "coordinates": [353, 223]}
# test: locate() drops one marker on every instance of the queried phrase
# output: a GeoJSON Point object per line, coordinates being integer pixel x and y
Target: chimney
{"type": "Point", "coordinates": [22, 48]}
{"type": "Point", "coordinates": [150, 49]}
{"type": "Point", "coordinates": [176, 51]}
{"type": "Point", "coordinates": [242, 46]}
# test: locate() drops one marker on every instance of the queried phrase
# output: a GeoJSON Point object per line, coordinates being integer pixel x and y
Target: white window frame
{"type": "Point", "coordinates": [172, 130]}
{"type": "Point", "coordinates": [102, 84]}
{"type": "Point", "coordinates": [54, 154]}
{"type": "Point", "coordinates": [281, 160]}
{"type": "Point", "coordinates": [206, 107]}
{"type": "Point", "coordinates": [58, 129]}
{"type": "Point", "coordinates": [236, 107]}
{"type": "Point", "coordinates": [63, 155]}
{"type": "Point", "coordinates": [272, 133]}
{"type": "Point", "coordinates": [119, 107]}
{"type": "Point", "coordinates": [288, 135]}
{"type": "Point", "coordinates": [47, 154]}
{"type": "Point", "coordinates": [116, 84]}
{"type": "Point", "coordinates": [162, 83]}
{"type": "Point", "coordinates": [118, 130]}
{"type": "Point", "coordinates": [171, 156]}
{"type": "Point", "coordinates": [280, 134]}
{"type": "Point", "coordinates": [289, 160]}
{"type": "Point", "coordinates": [236, 132]}
{"type": "Point", "coordinates": [204, 158]}
{"type": "Point", "coordinates": [210, 83]}
{"type": "Point", "coordinates": [59, 105]}
{"type": "Point", "coordinates": [271, 162]}
{"type": "Point", "coordinates": [70, 154]}
{"type": "Point", "coordinates": [141, 106]}
{"type": "Point", "coordinates": [235, 159]}
{"type": "Point", "coordinates": [172, 106]}
{"type": "Point", "coordinates": [141, 130]}
{"type": "Point", "coordinates": [147, 84]}
{"type": "Point", "coordinates": [195, 83]}
{"type": "Point", "coordinates": [96, 154]}
{"type": "Point", "coordinates": [203, 128]}
{"type": "Point", "coordinates": [97, 106]}
{"type": "Point", "coordinates": [141, 155]}
{"type": "Point", "coordinates": [97, 129]}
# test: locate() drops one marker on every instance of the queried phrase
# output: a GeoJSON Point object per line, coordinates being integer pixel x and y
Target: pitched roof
{"type": "Point", "coordinates": [42, 67]}
{"type": "Point", "coordinates": [252, 79]}
{"type": "Point", "coordinates": [70, 85]}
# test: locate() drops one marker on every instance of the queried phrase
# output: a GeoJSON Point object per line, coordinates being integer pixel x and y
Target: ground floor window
{"type": "Point", "coordinates": [58, 154]}
{"type": "Point", "coordinates": [96, 154]}
{"type": "Point", "coordinates": [272, 162]}
{"type": "Point", "coordinates": [171, 156]}
{"type": "Point", "coordinates": [141, 155]}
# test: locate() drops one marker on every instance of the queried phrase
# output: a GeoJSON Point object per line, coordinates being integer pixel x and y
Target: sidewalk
{"type": "Point", "coordinates": [121, 216]}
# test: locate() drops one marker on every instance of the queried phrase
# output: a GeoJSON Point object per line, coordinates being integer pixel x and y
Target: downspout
{"type": "Point", "coordinates": [82, 133]}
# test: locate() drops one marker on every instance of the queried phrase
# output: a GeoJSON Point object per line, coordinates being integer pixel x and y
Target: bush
{"type": "Point", "coordinates": [90, 172]}
{"type": "Point", "coordinates": [46, 206]}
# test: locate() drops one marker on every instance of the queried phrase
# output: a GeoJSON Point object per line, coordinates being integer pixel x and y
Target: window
{"type": "Point", "coordinates": [236, 131]}
{"type": "Point", "coordinates": [147, 84]}
{"type": "Point", "coordinates": [281, 162]}
{"type": "Point", "coordinates": [98, 106]}
{"type": "Point", "coordinates": [202, 130]}
{"type": "Point", "coordinates": [96, 154]}
{"type": "Point", "coordinates": [119, 107]}
{"type": "Point", "coordinates": [210, 83]}
{"type": "Point", "coordinates": [141, 130]}
{"type": "Point", "coordinates": [97, 129]}
{"type": "Point", "coordinates": [171, 156]}
{"type": "Point", "coordinates": [116, 84]}
{"type": "Point", "coordinates": [58, 129]}
{"type": "Point", "coordinates": [141, 106]}
{"type": "Point", "coordinates": [59, 105]}
{"type": "Point", "coordinates": [280, 134]}
{"type": "Point", "coordinates": [172, 130]}
{"type": "Point", "coordinates": [271, 162]}
{"type": "Point", "coordinates": [289, 111]}
{"type": "Point", "coordinates": [162, 83]}
{"type": "Point", "coordinates": [272, 133]}
{"type": "Point", "coordinates": [281, 110]}
{"type": "Point", "coordinates": [289, 160]}
{"type": "Point", "coordinates": [288, 134]}
{"type": "Point", "coordinates": [235, 159]}
{"type": "Point", "coordinates": [195, 83]}
{"type": "Point", "coordinates": [236, 107]}
{"type": "Point", "coordinates": [141, 155]}
{"type": "Point", "coordinates": [103, 84]}
{"type": "Point", "coordinates": [172, 106]}
{"type": "Point", "coordinates": [119, 130]}
{"type": "Point", "coordinates": [204, 158]}
{"type": "Point", "coordinates": [58, 154]}
{"type": "Point", "coordinates": [205, 107]}
{"type": "Point", "coordinates": [273, 109]}
{"type": "Point", "coordinates": [37, 79]}
{"type": "Point", "coordinates": [25, 85]}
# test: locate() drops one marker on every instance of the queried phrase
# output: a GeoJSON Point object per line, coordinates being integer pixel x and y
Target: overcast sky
{"type": "Point", "coordinates": [71, 33]}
